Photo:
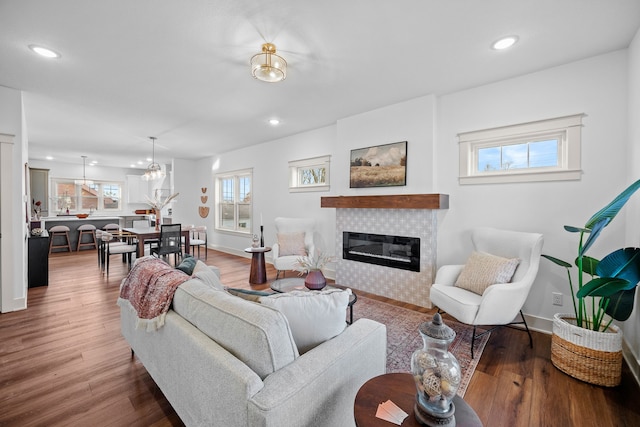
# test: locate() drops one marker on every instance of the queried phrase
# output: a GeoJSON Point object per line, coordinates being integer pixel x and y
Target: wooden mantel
{"type": "Point", "coordinates": [396, 201]}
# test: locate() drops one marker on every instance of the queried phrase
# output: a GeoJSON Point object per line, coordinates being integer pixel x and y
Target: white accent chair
{"type": "Point", "coordinates": [282, 263]}
{"type": "Point", "coordinates": [500, 304]}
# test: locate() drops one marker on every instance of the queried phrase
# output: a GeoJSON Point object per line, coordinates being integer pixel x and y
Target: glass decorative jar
{"type": "Point", "coordinates": [255, 242]}
{"type": "Point", "coordinates": [436, 373]}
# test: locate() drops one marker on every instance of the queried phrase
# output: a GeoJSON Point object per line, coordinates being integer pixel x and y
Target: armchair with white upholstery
{"type": "Point", "coordinates": [499, 303]}
{"type": "Point", "coordinates": [294, 239]}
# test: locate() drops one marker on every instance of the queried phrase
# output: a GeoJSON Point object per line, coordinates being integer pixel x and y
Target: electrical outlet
{"type": "Point", "coordinates": [557, 298]}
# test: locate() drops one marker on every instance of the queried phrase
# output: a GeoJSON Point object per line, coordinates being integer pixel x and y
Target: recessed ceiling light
{"type": "Point", "coordinates": [49, 158]}
{"type": "Point", "coordinates": [274, 122]}
{"type": "Point", "coordinates": [43, 51]}
{"type": "Point", "coordinates": [504, 43]}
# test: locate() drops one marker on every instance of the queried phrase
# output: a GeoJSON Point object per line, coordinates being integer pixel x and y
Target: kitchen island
{"type": "Point", "coordinates": [74, 222]}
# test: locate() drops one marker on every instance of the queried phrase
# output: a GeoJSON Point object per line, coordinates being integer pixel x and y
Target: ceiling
{"type": "Point", "coordinates": [179, 70]}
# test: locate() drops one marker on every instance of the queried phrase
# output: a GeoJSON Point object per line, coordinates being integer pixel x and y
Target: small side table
{"type": "Point", "coordinates": [401, 390]}
{"type": "Point", "coordinates": [258, 273]}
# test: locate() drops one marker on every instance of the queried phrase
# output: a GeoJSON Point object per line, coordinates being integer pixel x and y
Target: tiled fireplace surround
{"type": "Point", "coordinates": [404, 215]}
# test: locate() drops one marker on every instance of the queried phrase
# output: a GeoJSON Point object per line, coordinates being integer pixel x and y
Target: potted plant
{"type": "Point", "coordinates": [585, 344]}
{"type": "Point", "coordinates": [312, 266]}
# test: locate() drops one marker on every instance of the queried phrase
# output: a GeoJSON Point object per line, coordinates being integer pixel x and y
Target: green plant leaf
{"type": "Point", "coordinates": [611, 210]}
{"type": "Point", "coordinates": [603, 287]}
{"type": "Point", "coordinates": [595, 232]}
{"type": "Point", "coordinates": [621, 304]}
{"type": "Point", "coordinates": [557, 261]}
{"type": "Point", "coordinates": [589, 265]}
{"type": "Point", "coordinates": [572, 229]}
{"type": "Point", "coordinates": [622, 263]}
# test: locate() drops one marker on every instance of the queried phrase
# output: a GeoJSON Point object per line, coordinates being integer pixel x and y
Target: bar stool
{"type": "Point", "coordinates": [59, 231]}
{"type": "Point", "coordinates": [85, 229]}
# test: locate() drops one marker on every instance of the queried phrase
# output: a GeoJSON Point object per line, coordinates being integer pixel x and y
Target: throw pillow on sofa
{"type": "Point", "coordinates": [314, 317]}
{"type": "Point", "coordinates": [188, 264]}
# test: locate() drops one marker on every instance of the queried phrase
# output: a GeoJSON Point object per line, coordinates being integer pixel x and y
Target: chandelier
{"type": "Point", "coordinates": [154, 170]}
{"type": "Point", "coordinates": [267, 66]}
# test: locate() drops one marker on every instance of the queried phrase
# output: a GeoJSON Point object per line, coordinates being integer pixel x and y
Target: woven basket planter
{"type": "Point", "coordinates": [590, 356]}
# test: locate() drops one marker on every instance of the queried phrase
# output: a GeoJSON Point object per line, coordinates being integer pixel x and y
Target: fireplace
{"type": "Point", "coordinates": [387, 250]}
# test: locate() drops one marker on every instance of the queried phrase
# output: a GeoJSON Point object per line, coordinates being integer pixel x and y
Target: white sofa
{"type": "Point", "coordinates": [222, 360]}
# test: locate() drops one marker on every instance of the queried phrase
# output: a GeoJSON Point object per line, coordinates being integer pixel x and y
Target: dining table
{"type": "Point", "coordinates": [150, 233]}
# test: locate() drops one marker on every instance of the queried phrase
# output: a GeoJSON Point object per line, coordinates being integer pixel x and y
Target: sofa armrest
{"type": "Point", "coordinates": [320, 386]}
{"type": "Point", "coordinates": [448, 274]}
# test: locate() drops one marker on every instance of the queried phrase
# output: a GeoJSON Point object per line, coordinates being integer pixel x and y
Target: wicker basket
{"type": "Point", "coordinates": [590, 356]}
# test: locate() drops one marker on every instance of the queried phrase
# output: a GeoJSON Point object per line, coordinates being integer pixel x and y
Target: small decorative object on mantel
{"type": "Point", "coordinates": [312, 267]}
{"type": "Point", "coordinates": [157, 204]}
{"type": "Point", "coordinates": [585, 344]}
{"type": "Point", "coordinates": [436, 373]}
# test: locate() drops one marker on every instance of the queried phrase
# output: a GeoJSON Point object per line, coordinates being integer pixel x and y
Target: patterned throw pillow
{"type": "Point", "coordinates": [292, 244]}
{"type": "Point", "coordinates": [483, 270]}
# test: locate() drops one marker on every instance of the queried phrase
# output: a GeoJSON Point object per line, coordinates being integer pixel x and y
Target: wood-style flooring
{"type": "Point", "coordinates": [63, 362]}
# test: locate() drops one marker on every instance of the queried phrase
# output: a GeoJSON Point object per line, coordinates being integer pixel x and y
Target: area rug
{"type": "Point", "coordinates": [403, 337]}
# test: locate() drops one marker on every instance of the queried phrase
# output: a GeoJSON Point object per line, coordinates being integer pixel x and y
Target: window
{"type": "Point", "coordinates": [309, 174]}
{"type": "Point", "coordinates": [548, 150]}
{"type": "Point", "coordinates": [78, 196]}
{"type": "Point", "coordinates": [233, 210]}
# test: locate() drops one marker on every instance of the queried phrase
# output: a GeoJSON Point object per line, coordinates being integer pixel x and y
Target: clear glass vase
{"type": "Point", "coordinates": [435, 370]}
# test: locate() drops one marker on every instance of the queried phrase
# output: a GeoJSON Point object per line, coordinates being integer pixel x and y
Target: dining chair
{"type": "Point", "coordinates": [114, 246]}
{"type": "Point", "coordinates": [170, 242]}
{"type": "Point", "coordinates": [199, 238]}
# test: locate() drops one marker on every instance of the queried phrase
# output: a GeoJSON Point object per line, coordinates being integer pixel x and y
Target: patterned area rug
{"type": "Point", "coordinates": [403, 337]}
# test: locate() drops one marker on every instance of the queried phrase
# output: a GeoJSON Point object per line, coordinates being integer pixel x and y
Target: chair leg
{"type": "Point", "coordinates": [473, 340]}
{"type": "Point", "coordinates": [527, 328]}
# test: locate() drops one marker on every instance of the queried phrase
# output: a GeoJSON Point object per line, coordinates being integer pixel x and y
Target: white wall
{"type": "Point", "coordinates": [631, 327]}
{"type": "Point", "coordinates": [14, 289]}
{"type": "Point", "coordinates": [271, 196]}
{"type": "Point", "coordinates": [597, 87]}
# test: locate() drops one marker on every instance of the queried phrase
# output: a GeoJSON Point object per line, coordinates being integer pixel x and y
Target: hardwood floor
{"type": "Point", "coordinates": [63, 362]}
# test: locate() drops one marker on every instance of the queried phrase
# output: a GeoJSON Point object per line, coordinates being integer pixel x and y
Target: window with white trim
{"type": "Point", "coordinates": [546, 150]}
{"type": "Point", "coordinates": [233, 196]}
{"type": "Point", "coordinates": [86, 196]}
{"type": "Point", "coordinates": [309, 174]}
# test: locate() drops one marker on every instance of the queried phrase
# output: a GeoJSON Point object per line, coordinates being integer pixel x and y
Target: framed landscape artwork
{"type": "Point", "coordinates": [379, 166]}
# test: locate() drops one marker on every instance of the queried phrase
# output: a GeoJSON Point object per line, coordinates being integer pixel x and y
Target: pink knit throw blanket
{"type": "Point", "coordinates": [149, 289]}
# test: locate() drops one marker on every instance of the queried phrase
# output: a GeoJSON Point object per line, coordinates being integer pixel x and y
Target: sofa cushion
{"type": "Point", "coordinates": [188, 264]}
{"type": "Point", "coordinates": [257, 335]}
{"type": "Point", "coordinates": [314, 317]}
{"type": "Point", "coordinates": [291, 244]}
{"type": "Point", "coordinates": [483, 270]}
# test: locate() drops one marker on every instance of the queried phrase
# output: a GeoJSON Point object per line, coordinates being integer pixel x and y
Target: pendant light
{"type": "Point", "coordinates": [84, 181]}
{"type": "Point", "coordinates": [154, 170]}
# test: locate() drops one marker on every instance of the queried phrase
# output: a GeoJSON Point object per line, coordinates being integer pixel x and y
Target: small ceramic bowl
{"type": "Point", "coordinates": [82, 215]}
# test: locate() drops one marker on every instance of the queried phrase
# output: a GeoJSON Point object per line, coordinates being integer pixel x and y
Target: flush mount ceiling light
{"type": "Point", "coordinates": [84, 176]}
{"type": "Point", "coordinates": [154, 171]}
{"type": "Point", "coordinates": [504, 43]}
{"type": "Point", "coordinates": [267, 66]}
{"type": "Point", "coordinates": [274, 122]}
{"type": "Point", "coordinates": [43, 51]}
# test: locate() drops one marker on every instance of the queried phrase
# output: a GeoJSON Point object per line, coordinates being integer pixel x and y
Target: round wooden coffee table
{"type": "Point", "coordinates": [401, 390]}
